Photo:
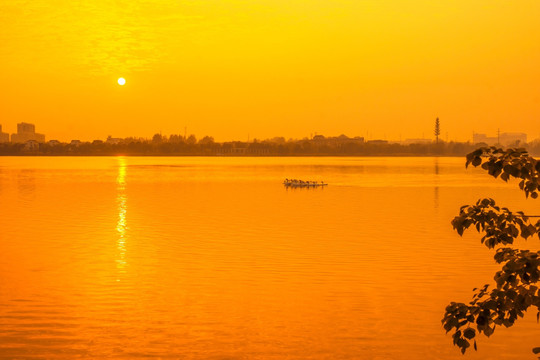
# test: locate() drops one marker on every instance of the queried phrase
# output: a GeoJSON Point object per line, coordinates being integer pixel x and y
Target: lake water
{"type": "Point", "coordinates": [213, 258]}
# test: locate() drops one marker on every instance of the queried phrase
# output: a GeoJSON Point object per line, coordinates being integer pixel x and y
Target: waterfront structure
{"type": "Point", "coordinates": [513, 139]}
{"type": "Point", "coordinates": [114, 141]}
{"type": "Point", "coordinates": [337, 140]}
{"type": "Point", "coordinates": [31, 146]}
{"type": "Point", "coordinates": [25, 133]}
{"type": "Point", "coordinates": [416, 141]}
{"type": "Point", "coordinates": [4, 137]}
{"type": "Point", "coordinates": [505, 139]}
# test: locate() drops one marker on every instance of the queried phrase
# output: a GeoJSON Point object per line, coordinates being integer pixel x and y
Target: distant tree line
{"type": "Point", "coordinates": [319, 145]}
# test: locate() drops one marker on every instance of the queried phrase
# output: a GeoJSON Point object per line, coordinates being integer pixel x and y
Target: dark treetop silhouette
{"type": "Point", "coordinates": [516, 288]}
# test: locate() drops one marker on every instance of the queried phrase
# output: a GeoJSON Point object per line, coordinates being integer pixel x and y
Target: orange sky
{"type": "Point", "coordinates": [229, 68]}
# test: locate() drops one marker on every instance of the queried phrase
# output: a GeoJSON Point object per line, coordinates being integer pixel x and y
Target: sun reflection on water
{"type": "Point", "coordinates": [121, 225]}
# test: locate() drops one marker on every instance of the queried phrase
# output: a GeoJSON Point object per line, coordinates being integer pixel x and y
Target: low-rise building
{"type": "Point", "coordinates": [337, 140]}
{"type": "Point", "coordinates": [416, 141]}
{"type": "Point", "coordinates": [505, 139]}
{"type": "Point", "coordinates": [114, 141]}
{"type": "Point", "coordinates": [513, 139]}
{"type": "Point", "coordinates": [31, 146]}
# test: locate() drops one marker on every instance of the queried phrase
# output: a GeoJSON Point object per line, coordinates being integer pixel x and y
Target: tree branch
{"type": "Point", "coordinates": [514, 294]}
{"type": "Point", "coordinates": [500, 225]}
{"type": "Point", "coordinates": [507, 164]}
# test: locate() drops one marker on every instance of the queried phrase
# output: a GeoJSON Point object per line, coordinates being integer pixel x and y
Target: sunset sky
{"type": "Point", "coordinates": [265, 68]}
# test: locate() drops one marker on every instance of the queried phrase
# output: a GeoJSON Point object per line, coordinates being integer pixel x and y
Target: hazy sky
{"type": "Point", "coordinates": [229, 68]}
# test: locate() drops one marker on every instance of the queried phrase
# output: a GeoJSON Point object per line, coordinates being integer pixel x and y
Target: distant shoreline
{"type": "Point", "coordinates": [298, 148]}
{"type": "Point", "coordinates": [243, 156]}
{"type": "Point", "coordinates": [226, 156]}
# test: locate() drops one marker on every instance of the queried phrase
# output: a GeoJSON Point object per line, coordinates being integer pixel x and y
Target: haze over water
{"type": "Point", "coordinates": [212, 258]}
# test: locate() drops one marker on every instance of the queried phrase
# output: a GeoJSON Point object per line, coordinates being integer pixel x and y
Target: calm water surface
{"type": "Point", "coordinates": [212, 258]}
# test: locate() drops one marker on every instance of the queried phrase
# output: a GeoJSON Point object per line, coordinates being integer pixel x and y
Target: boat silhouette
{"type": "Point", "coordinates": [303, 183]}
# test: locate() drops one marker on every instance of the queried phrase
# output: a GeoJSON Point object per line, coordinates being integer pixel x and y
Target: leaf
{"type": "Point", "coordinates": [536, 350]}
{"type": "Point", "coordinates": [512, 170]}
{"type": "Point", "coordinates": [479, 151]}
{"type": "Point", "coordinates": [481, 320]}
{"type": "Point", "coordinates": [469, 333]}
{"type": "Point", "coordinates": [491, 304]}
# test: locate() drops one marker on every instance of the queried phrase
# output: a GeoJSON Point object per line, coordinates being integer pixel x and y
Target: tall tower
{"type": "Point", "coordinates": [437, 131]}
{"type": "Point", "coordinates": [26, 128]}
{"type": "Point", "coordinates": [27, 132]}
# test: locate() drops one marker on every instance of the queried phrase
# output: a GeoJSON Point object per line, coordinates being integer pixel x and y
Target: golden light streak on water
{"type": "Point", "coordinates": [121, 225]}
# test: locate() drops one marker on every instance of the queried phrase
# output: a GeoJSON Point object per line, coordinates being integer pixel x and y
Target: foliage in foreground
{"type": "Point", "coordinates": [515, 290]}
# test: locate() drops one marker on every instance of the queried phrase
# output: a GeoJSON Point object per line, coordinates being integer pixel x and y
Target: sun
{"type": "Point", "coordinates": [121, 81]}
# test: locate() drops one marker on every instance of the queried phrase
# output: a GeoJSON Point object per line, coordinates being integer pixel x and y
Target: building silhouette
{"type": "Point", "coordinates": [4, 137]}
{"type": "Point", "coordinates": [27, 132]}
{"type": "Point", "coordinates": [111, 140]}
{"type": "Point", "coordinates": [416, 141]}
{"type": "Point", "coordinates": [505, 139]}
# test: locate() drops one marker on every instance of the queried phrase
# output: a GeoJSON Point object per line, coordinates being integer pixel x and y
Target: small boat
{"type": "Point", "coordinates": [303, 183]}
